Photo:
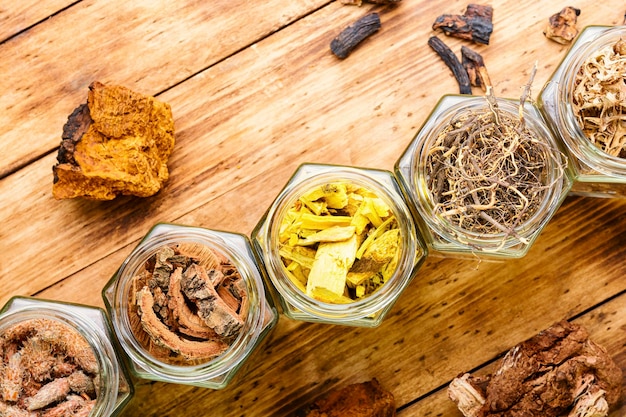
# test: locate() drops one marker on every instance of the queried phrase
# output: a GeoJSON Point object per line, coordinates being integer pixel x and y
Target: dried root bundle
{"type": "Point", "coordinates": [488, 172]}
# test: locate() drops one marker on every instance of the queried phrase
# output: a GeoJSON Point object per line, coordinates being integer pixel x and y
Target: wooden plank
{"type": "Point", "coordinates": [16, 16]}
{"type": "Point", "coordinates": [606, 326]}
{"type": "Point", "coordinates": [157, 44]}
{"type": "Point", "coordinates": [310, 107]}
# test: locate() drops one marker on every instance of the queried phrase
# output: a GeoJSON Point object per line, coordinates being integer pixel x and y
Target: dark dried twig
{"type": "Point", "coordinates": [475, 66]}
{"type": "Point", "coordinates": [453, 63]}
{"type": "Point", "coordinates": [354, 34]}
{"type": "Point", "coordinates": [474, 25]}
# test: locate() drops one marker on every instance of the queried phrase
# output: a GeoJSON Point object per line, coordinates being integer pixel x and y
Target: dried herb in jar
{"type": "Point", "coordinates": [339, 242]}
{"type": "Point", "coordinates": [599, 98]}
{"type": "Point", "coordinates": [188, 304]}
{"type": "Point", "coordinates": [47, 369]}
{"type": "Point", "coordinates": [487, 172]}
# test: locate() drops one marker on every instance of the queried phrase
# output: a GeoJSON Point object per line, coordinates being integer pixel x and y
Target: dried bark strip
{"type": "Point", "coordinates": [474, 25]}
{"type": "Point", "coordinates": [188, 304]}
{"type": "Point", "coordinates": [354, 34]}
{"type": "Point", "coordinates": [451, 60]}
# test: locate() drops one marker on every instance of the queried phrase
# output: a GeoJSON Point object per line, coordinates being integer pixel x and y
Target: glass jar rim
{"type": "Point", "coordinates": [108, 369]}
{"type": "Point", "coordinates": [367, 306]}
{"type": "Point", "coordinates": [575, 139]}
{"type": "Point", "coordinates": [469, 239]}
{"type": "Point", "coordinates": [241, 346]}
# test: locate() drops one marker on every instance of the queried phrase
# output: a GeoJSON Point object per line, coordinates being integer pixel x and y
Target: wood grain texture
{"type": "Point", "coordinates": [255, 91]}
{"type": "Point", "coordinates": [16, 16]}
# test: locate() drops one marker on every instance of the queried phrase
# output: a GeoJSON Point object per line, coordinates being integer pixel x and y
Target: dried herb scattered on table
{"type": "Point", "coordinates": [47, 369]}
{"type": "Point", "coordinates": [487, 171]}
{"type": "Point", "coordinates": [474, 64]}
{"type": "Point", "coordinates": [558, 372]}
{"type": "Point", "coordinates": [188, 304]}
{"type": "Point", "coordinates": [350, 37]}
{"type": "Point", "coordinates": [561, 26]}
{"type": "Point", "coordinates": [599, 99]}
{"type": "Point", "coordinates": [340, 242]}
{"type": "Point", "coordinates": [474, 25]}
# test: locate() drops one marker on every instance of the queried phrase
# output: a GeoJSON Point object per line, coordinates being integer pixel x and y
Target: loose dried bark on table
{"type": "Point", "coordinates": [366, 399]}
{"type": "Point", "coordinates": [474, 25]}
{"type": "Point", "coordinates": [118, 143]}
{"type": "Point", "coordinates": [451, 60]}
{"type": "Point", "coordinates": [474, 64]}
{"type": "Point", "coordinates": [188, 304]}
{"type": "Point", "coordinates": [558, 372]}
{"type": "Point", "coordinates": [46, 369]}
{"type": "Point", "coordinates": [561, 26]}
{"type": "Point", "coordinates": [353, 35]}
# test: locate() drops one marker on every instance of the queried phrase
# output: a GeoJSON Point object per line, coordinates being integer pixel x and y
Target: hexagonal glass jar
{"type": "Point", "coordinates": [596, 173]}
{"type": "Point", "coordinates": [368, 311]}
{"type": "Point", "coordinates": [114, 387]}
{"type": "Point", "coordinates": [444, 233]}
{"type": "Point", "coordinates": [150, 359]}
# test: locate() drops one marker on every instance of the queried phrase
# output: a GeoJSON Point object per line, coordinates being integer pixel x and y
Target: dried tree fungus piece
{"type": "Point", "coordinates": [599, 99]}
{"type": "Point", "coordinates": [561, 26]}
{"type": "Point", "coordinates": [351, 36]}
{"type": "Point", "coordinates": [364, 399]}
{"type": "Point", "coordinates": [44, 364]}
{"type": "Point", "coordinates": [333, 242]}
{"type": "Point", "coordinates": [473, 25]}
{"type": "Point", "coordinates": [118, 143]}
{"type": "Point", "coordinates": [474, 64]}
{"type": "Point", "coordinates": [558, 372]}
{"type": "Point", "coordinates": [451, 60]}
{"type": "Point", "coordinates": [188, 304]}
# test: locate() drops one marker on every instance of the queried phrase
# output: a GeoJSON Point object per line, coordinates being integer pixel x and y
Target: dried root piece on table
{"type": "Point", "coordinates": [561, 26]}
{"type": "Point", "coordinates": [474, 25]}
{"type": "Point", "coordinates": [474, 64]}
{"type": "Point", "coordinates": [188, 304]}
{"type": "Point", "coordinates": [365, 399]}
{"type": "Point", "coordinates": [451, 60]}
{"type": "Point", "coordinates": [118, 143]}
{"type": "Point", "coordinates": [599, 98]}
{"type": "Point", "coordinates": [558, 372]}
{"type": "Point", "coordinates": [350, 37]}
{"type": "Point", "coordinates": [45, 366]}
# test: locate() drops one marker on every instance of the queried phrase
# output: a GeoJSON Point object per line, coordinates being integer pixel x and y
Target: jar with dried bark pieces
{"type": "Point", "coordinates": [339, 245]}
{"type": "Point", "coordinates": [485, 175]}
{"type": "Point", "coordinates": [585, 101]}
{"type": "Point", "coordinates": [188, 305]}
{"type": "Point", "coordinates": [59, 359]}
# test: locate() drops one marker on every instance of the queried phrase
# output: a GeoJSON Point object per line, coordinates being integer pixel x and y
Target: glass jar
{"type": "Point", "coordinates": [596, 173]}
{"type": "Point", "coordinates": [296, 301]}
{"type": "Point", "coordinates": [454, 227]}
{"type": "Point", "coordinates": [189, 344]}
{"type": "Point", "coordinates": [52, 324]}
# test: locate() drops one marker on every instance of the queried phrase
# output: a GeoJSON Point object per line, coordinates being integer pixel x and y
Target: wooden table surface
{"type": "Point", "coordinates": [255, 91]}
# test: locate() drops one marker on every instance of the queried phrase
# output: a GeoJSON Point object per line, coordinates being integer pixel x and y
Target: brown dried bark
{"type": "Point", "coordinates": [550, 375]}
{"type": "Point", "coordinates": [473, 25]}
{"type": "Point", "coordinates": [561, 26]}
{"type": "Point", "coordinates": [350, 37]}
